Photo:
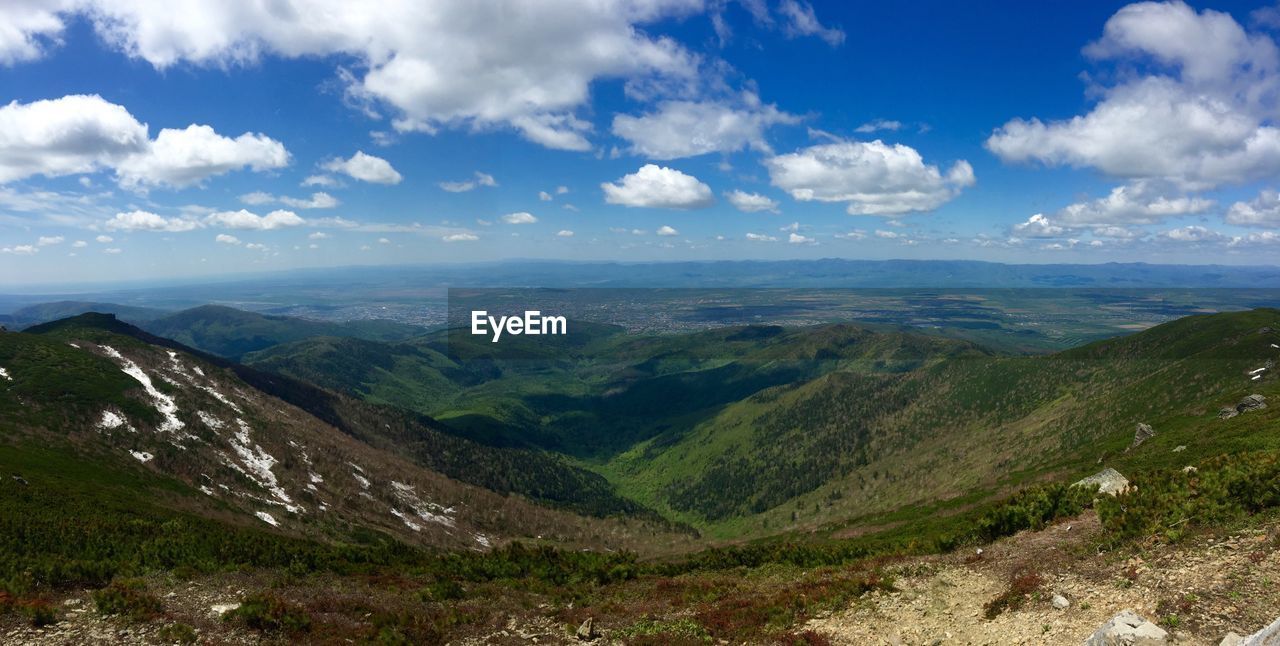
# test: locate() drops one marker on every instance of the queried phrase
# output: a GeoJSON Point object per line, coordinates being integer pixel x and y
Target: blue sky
{"type": "Point", "coordinates": [146, 140]}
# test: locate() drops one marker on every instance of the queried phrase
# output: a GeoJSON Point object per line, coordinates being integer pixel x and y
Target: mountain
{"type": "Point", "coordinates": [231, 333]}
{"type": "Point", "coordinates": [209, 437]}
{"type": "Point", "coordinates": [45, 312]}
{"type": "Point", "coordinates": [757, 430]}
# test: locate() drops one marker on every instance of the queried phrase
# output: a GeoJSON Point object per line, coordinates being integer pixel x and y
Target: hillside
{"type": "Point", "coordinates": [149, 411]}
{"type": "Point", "coordinates": [761, 430]}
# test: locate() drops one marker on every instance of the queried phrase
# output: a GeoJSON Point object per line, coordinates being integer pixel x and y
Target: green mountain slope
{"type": "Point", "coordinates": [231, 333]}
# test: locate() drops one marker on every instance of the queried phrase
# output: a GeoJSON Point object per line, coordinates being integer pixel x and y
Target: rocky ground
{"type": "Point", "coordinates": [1197, 591]}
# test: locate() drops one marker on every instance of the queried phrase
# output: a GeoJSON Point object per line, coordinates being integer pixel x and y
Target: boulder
{"type": "Point", "coordinates": [587, 631]}
{"type": "Point", "coordinates": [1228, 412]}
{"type": "Point", "coordinates": [1142, 434]}
{"type": "Point", "coordinates": [1251, 402]}
{"type": "Point", "coordinates": [1180, 448]}
{"type": "Point", "coordinates": [1108, 481]}
{"type": "Point", "coordinates": [1231, 639]}
{"type": "Point", "coordinates": [1189, 469]}
{"type": "Point", "coordinates": [1128, 629]}
{"type": "Point", "coordinates": [1060, 602]}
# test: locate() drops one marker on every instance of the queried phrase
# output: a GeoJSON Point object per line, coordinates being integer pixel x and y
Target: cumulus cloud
{"type": "Point", "coordinates": [146, 221]}
{"type": "Point", "coordinates": [873, 178]}
{"type": "Point", "coordinates": [1193, 234]}
{"type": "Point", "coordinates": [104, 239]}
{"type": "Point", "coordinates": [1039, 226]}
{"type": "Point", "coordinates": [521, 217]}
{"type": "Point", "coordinates": [480, 179]}
{"type": "Point", "coordinates": [665, 230]}
{"type": "Point", "coordinates": [1139, 202]}
{"type": "Point", "coordinates": [223, 238]}
{"type": "Point", "coordinates": [48, 241]}
{"type": "Point", "coordinates": [460, 237]}
{"type": "Point", "coordinates": [1262, 211]}
{"type": "Point", "coordinates": [366, 168]}
{"type": "Point", "coordinates": [448, 63]}
{"type": "Point", "coordinates": [320, 200]}
{"type": "Point", "coordinates": [564, 233]}
{"type": "Point", "coordinates": [760, 237]}
{"type": "Point", "coordinates": [796, 238]}
{"type": "Point", "coordinates": [689, 128]}
{"type": "Point", "coordinates": [79, 244]}
{"type": "Point", "coordinates": [243, 219]}
{"type": "Point", "coordinates": [21, 250]}
{"type": "Point", "coordinates": [660, 187]}
{"type": "Point", "coordinates": [320, 180]}
{"type": "Point", "coordinates": [751, 202]}
{"type": "Point", "coordinates": [85, 134]}
{"type": "Point", "coordinates": [856, 234]}
{"type": "Point", "coordinates": [1205, 123]}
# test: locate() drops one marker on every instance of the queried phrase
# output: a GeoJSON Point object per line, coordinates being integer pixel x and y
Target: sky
{"type": "Point", "coordinates": [142, 139]}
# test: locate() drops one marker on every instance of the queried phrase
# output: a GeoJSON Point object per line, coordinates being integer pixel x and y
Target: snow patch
{"type": "Point", "coordinates": [206, 490]}
{"type": "Point", "coordinates": [483, 540]}
{"type": "Point", "coordinates": [163, 403]}
{"type": "Point", "coordinates": [428, 511]}
{"type": "Point", "coordinates": [220, 397]}
{"type": "Point", "coordinates": [73, 345]}
{"type": "Point", "coordinates": [257, 466]}
{"type": "Point", "coordinates": [111, 419]}
{"type": "Point", "coordinates": [316, 478]}
{"type": "Point", "coordinates": [1255, 378]}
{"type": "Point", "coordinates": [364, 482]}
{"type": "Point", "coordinates": [142, 456]}
{"type": "Point", "coordinates": [210, 421]}
{"type": "Point", "coordinates": [197, 370]}
{"type": "Point", "coordinates": [5, 374]}
{"type": "Point", "coordinates": [266, 518]}
{"type": "Point", "coordinates": [409, 523]}
{"type": "Point", "coordinates": [1254, 372]}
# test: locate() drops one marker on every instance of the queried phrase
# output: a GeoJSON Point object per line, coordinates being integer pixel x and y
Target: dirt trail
{"type": "Point", "coordinates": [1198, 591]}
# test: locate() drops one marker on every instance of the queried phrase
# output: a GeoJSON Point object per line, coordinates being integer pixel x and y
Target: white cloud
{"type": "Point", "coordinates": [187, 157]}
{"type": "Point", "coordinates": [665, 230]}
{"type": "Point", "coordinates": [448, 63]}
{"type": "Point", "coordinates": [1139, 202]}
{"type": "Point", "coordinates": [147, 221]}
{"type": "Point", "coordinates": [366, 168]}
{"type": "Point", "coordinates": [856, 234]}
{"type": "Point", "coordinates": [384, 241]}
{"type": "Point", "coordinates": [878, 125]}
{"type": "Point", "coordinates": [46, 241]}
{"type": "Point", "coordinates": [800, 21]}
{"type": "Point", "coordinates": [1193, 234]}
{"type": "Point", "coordinates": [460, 237]}
{"type": "Point", "coordinates": [320, 180]}
{"type": "Point", "coordinates": [480, 179]}
{"type": "Point", "coordinates": [521, 217]}
{"type": "Point", "coordinates": [255, 246]}
{"type": "Point", "coordinates": [113, 250]}
{"type": "Point", "coordinates": [658, 187]}
{"type": "Point", "coordinates": [888, 235]}
{"type": "Point", "coordinates": [796, 238]}
{"type": "Point", "coordinates": [243, 219]}
{"type": "Point", "coordinates": [751, 202]}
{"type": "Point", "coordinates": [760, 237]}
{"type": "Point", "coordinates": [544, 196]}
{"type": "Point", "coordinates": [104, 239]}
{"type": "Point", "coordinates": [226, 239]}
{"type": "Point", "coordinates": [21, 250]}
{"type": "Point", "coordinates": [565, 233]}
{"type": "Point", "coordinates": [79, 244]}
{"type": "Point", "coordinates": [1206, 123]}
{"type": "Point", "coordinates": [1039, 226]}
{"type": "Point", "coordinates": [319, 235]}
{"type": "Point", "coordinates": [85, 134]}
{"type": "Point", "coordinates": [561, 190]}
{"type": "Point", "coordinates": [1262, 211]}
{"type": "Point", "coordinates": [874, 178]}
{"type": "Point", "coordinates": [320, 200]}
{"type": "Point", "coordinates": [688, 128]}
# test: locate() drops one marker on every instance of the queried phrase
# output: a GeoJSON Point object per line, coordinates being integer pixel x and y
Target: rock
{"type": "Point", "coordinates": [1232, 639]}
{"type": "Point", "coordinates": [1252, 402]}
{"type": "Point", "coordinates": [1180, 448]}
{"type": "Point", "coordinates": [219, 609]}
{"type": "Point", "coordinates": [1142, 434]}
{"type": "Point", "coordinates": [1128, 629]}
{"type": "Point", "coordinates": [20, 480]}
{"type": "Point", "coordinates": [1189, 469]}
{"type": "Point", "coordinates": [587, 631]}
{"type": "Point", "coordinates": [1060, 602]}
{"type": "Point", "coordinates": [1268, 636]}
{"type": "Point", "coordinates": [1227, 412]}
{"type": "Point", "coordinates": [1108, 481]}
